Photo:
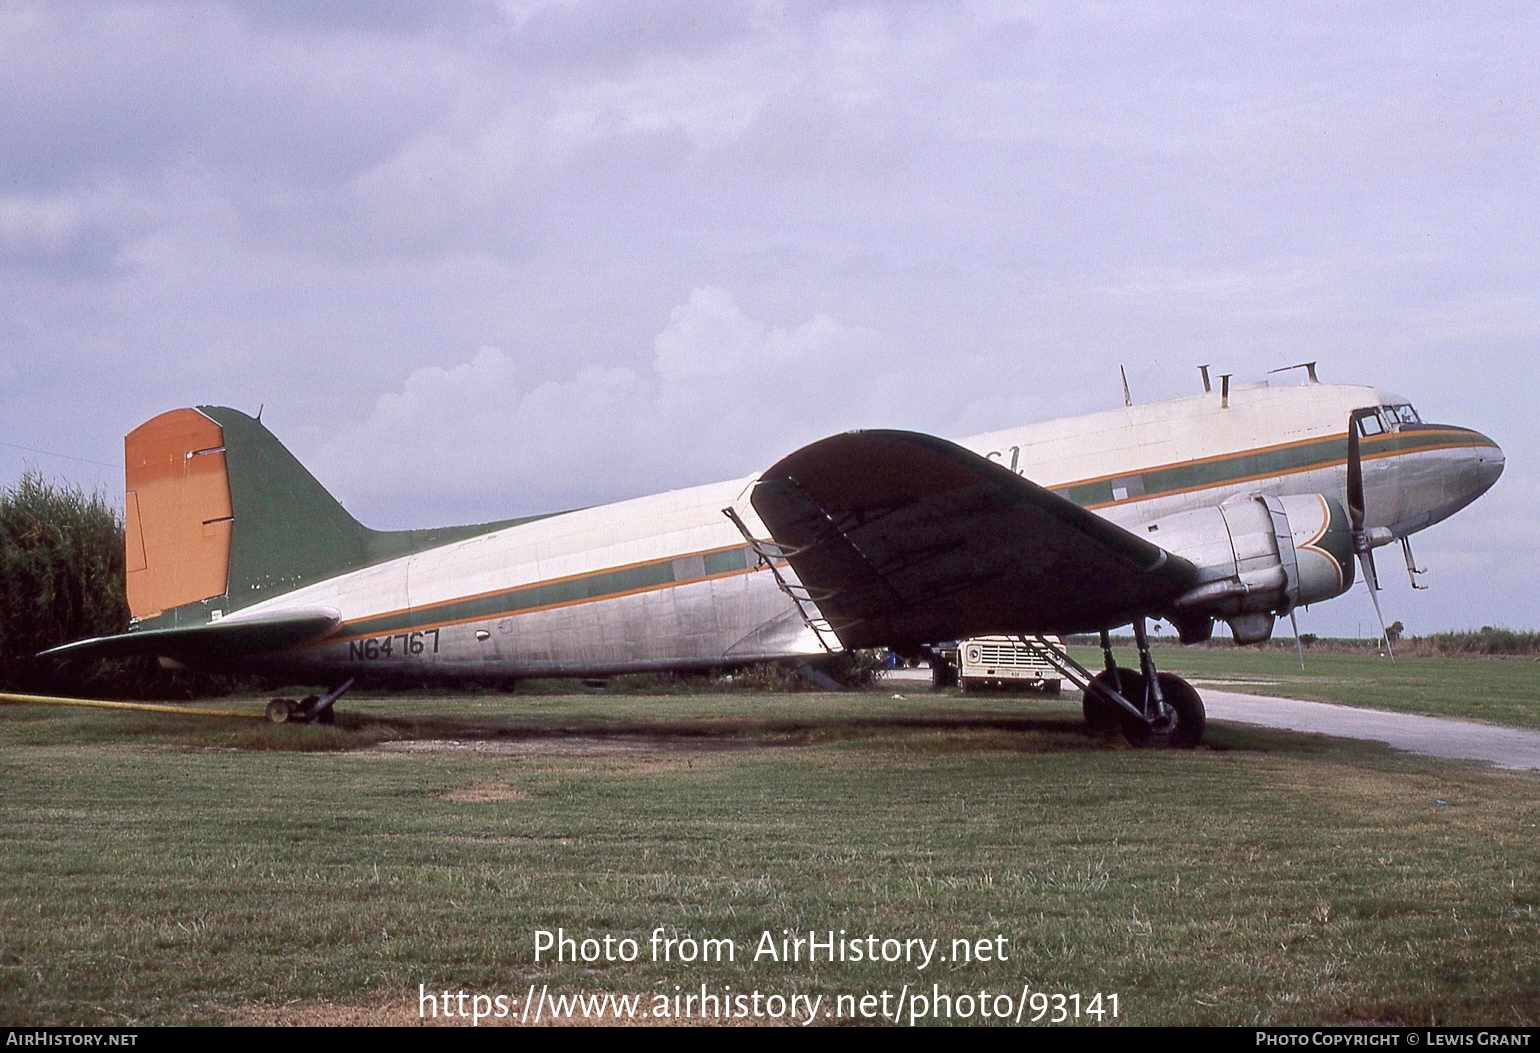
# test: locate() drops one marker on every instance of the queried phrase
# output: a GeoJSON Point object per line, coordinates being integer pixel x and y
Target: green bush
{"type": "Point", "coordinates": [1485, 641]}
{"type": "Point", "coordinates": [61, 579]}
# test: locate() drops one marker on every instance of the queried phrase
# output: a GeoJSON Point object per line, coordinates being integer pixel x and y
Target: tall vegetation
{"type": "Point", "coordinates": [1486, 642]}
{"type": "Point", "coordinates": [1483, 641]}
{"type": "Point", "coordinates": [61, 579]}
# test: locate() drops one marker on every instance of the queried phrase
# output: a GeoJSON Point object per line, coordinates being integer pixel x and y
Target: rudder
{"type": "Point", "coordinates": [176, 512]}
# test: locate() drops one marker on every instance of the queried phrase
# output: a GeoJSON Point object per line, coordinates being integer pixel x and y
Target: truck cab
{"type": "Point", "coordinates": [996, 662]}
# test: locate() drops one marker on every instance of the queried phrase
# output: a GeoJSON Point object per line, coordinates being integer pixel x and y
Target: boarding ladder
{"type": "Point", "coordinates": [774, 557]}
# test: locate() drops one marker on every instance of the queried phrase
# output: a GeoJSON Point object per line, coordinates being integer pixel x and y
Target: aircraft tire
{"type": "Point", "coordinates": [1191, 720]}
{"type": "Point", "coordinates": [280, 711]}
{"type": "Point", "coordinates": [1186, 732]}
{"type": "Point", "coordinates": [1104, 716]}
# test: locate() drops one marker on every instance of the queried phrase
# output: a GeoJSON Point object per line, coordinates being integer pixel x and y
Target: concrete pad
{"type": "Point", "coordinates": [1435, 736]}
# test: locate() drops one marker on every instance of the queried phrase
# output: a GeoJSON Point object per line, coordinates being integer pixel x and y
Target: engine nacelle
{"type": "Point", "coordinates": [1257, 557]}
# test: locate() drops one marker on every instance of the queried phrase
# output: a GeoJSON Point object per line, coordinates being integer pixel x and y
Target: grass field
{"type": "Point", "coordinates": [163, 869]}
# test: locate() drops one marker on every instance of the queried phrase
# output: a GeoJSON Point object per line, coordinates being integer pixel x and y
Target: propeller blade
{"type": "Point", "coordinates": [1355, 482]}
{"type": "Point", "coordinates": [1298, 643]}
{"type": "Point", "coordinates": [1366, 561]}
{"type": "Point", "coordinates": [1356, 516]}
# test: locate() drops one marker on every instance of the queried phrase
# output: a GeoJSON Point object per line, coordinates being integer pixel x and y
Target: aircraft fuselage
{"type": "Point", "coordinates": [667, 581]}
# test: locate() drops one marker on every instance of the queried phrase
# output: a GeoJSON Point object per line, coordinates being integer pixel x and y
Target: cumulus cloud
{"type": "Point", "coordinates": [724, 395]}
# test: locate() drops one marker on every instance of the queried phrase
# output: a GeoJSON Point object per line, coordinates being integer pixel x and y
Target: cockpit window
{"type": "Point", "coordinates": [1369, 424]}
{"type": "Point", "coordinates": [1402, 414]}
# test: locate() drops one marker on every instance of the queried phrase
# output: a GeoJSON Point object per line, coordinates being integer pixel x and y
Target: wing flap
{"type": "Point", "coordinates": [903, 538]}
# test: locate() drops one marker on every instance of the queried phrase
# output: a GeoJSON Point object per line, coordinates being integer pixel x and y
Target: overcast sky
{"type": "Point", "coordinates": [484, 259]}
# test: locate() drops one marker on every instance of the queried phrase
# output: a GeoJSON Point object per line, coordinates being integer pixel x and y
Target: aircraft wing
{"type": "Point", "coordinates": [903, 539]}
{"type": "Point", "coordinates": [199, 644]}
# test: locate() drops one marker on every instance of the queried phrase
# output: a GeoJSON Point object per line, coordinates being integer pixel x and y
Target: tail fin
{"type": "Point", "coordinates": [220, 516]}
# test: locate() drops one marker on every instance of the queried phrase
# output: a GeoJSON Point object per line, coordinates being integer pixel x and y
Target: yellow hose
{"type": "Point", "coordinates": [143, 707]}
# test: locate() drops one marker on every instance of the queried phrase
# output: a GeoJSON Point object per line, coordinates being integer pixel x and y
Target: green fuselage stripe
{"type": "Point", "coordinates": [1290, 459]}
{"type": "Point", "coordinates": [563, 592]}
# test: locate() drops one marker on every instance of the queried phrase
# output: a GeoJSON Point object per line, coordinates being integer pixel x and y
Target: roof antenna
{"type": "Point", "coordinates": [1207, 387]}
{"type": "Point", "coordinates": [1308, 367]}
{"type": "Point", "coordinates": [259, 412]}
{"type": "Point", "coordinates": [1127, 400]}
{"type": "Point", "coordinates": [1224, 390]}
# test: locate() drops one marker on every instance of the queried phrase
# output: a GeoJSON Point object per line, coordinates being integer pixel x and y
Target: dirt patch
{"type": "Point", "coordinates": [486, 791]}
{"type": "Point", "coordinates": [561, 747]}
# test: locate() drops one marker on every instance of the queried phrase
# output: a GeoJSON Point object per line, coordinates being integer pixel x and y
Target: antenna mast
{"type": "Point", "coordinates": [1308, 367]}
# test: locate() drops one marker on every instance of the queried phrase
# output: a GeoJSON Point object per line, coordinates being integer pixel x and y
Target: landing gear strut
{"type": "Point", "coordinates": [313, 709]}
{"type": "Point", "coordinates": [1100, 711]}
{"type": "Point", "coordinates": [1151, 708]}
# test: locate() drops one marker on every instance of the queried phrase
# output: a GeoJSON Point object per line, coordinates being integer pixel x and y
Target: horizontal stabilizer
{"type": "Point", "coordinates": [903, 539]}
{"type": "Point", "coordinates": [230, 638]}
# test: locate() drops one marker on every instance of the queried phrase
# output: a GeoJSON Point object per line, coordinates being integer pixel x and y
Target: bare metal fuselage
{"type": "Point", "coordinates": [668, 582]}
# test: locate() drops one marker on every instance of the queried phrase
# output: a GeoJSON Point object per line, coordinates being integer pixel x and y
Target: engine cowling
{"type": "Point", "coordinates": [1257, 557]}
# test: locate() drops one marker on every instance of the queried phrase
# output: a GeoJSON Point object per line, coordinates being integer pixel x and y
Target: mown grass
{"type": "Point", "coordinates": [156, 869]}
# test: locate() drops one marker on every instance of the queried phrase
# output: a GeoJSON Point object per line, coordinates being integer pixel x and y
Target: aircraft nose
{"type": "Point", "coordinates": [1489, 465]}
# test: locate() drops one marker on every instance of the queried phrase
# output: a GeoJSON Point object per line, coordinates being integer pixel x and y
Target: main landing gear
{"type": "Point", "coordinates": [1150, 708]}
{"type": "Point", "coordinates": [312, 709]}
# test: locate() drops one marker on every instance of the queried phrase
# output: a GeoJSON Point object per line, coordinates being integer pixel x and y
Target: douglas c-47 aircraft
{"type": "Point", "coordinates": [1237, 505]}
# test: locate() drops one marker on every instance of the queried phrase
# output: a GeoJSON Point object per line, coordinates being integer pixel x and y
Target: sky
{"type": "Point", "coordinates": [475, 260]}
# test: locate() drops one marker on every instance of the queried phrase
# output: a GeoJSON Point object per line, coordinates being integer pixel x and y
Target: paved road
{"type": "Point", "coordinates": [1436, 736]}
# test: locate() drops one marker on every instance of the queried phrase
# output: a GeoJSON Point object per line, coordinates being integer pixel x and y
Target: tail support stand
{"type": "Point", "coordinates": [314, 709]}
{"type": "Point", "coordinates": [326, 701]}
